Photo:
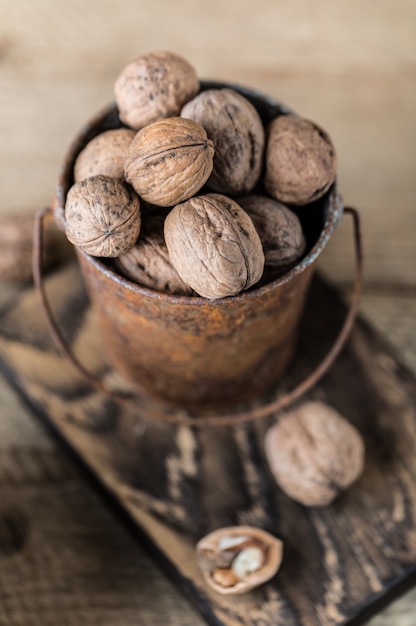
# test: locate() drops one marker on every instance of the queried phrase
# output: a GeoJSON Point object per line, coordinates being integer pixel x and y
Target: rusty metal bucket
{"type": "Point", "coordinates": [192, 352]}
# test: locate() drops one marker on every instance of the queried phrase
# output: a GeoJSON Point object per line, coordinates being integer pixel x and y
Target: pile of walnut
{"type": "Point", "coordinates": [190, 197]}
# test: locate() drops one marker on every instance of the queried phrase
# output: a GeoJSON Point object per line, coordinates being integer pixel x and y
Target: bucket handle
{"type": "Point", "coordinates": [225, 419]}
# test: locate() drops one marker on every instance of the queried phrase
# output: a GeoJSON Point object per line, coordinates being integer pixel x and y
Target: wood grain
{"type": "Point", "coordinates": [338, 560]}
{"type": "Point", "coordinates": [349, 66]}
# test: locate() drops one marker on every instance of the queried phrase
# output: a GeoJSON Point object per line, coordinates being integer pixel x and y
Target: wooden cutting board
{"type": "Point", "coordinates": [177, 483]}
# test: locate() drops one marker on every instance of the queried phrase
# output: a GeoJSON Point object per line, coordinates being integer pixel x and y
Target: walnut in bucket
{"type": "Point", "coordinates": [214, 246]}
{"type": "Point", "coordinates": [148, 262]}
{"type": "Point", "coordinates": [102, 216]}
{"type": "Point", "coordinates": [105, 154]}
{"type": "Point", "coordinates": [314, 453]}
{"type": "Point", "coordinates": [300, 161]}
{"type": "Point", "coordinates": [236, 129]}
{"type": "Point", "coordinates": [154, 86]}
{"type": "Point", "coordinates": [236, 559]}
{"type": "Point", "coordinates": [169, 161]}
{"type": "Point", "coordinates": [279, 229]}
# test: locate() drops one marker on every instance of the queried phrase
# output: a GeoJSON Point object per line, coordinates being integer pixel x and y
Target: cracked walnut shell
{"type": "Point", "coordinates": [154, 86]}
{"type": "Point", "coordinates": [236, 129]}
{"type": "Point", "coordinates": [214, 246]}
{"type": "Point", "coordinates": [105, 154]}
{"type": "Point", "coordinates": [102, 216]}
{"type": "Point", "coordinates": [313, 453]}
{"type": "Point", "coordinates": [300, 161]}
{"type": "Point", "coordinates": [236, 559]}
{"type": "Point", "coordinates": [148, 262]}
{"type": "Point", "coordinates": [169, 161]}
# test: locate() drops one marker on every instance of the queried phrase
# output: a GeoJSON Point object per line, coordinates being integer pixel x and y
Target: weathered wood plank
{"type": "Point", "coordinates": [177, 483]}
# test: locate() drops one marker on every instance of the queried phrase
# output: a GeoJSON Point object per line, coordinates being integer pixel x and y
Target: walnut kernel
{"type": "Point", "coordinates": [236, 559]}
{"type": "Point", "coordinates": [169, 161]}
{"type": "Point", "coordinates": [154, 86]}
{"type": "Point", "coordinates": [102, 216]}
{"type": "Point", "coordinates": [214, 246]}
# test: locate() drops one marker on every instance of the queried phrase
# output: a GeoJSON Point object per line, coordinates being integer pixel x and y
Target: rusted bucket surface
{"type": "Point", "coordinates": [193, 352]}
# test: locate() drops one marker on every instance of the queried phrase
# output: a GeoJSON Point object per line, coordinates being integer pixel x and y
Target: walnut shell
{"type": "Point", "coordinates": [169, 161]}
{"type": "Point", "coordinates": [148, 262]}
{"type": "Point", "coordinates": [102, 216]}
{"type": "Point", "coordinates": [235, 127]}
{"type": "Point", "coordinates": [154, 86]}
{"type": "Point", "coordinates": [279, 229]}
{"type": "Point", "coordinates": [214, 246]}
{"type": "Point", "coordinates": [105, 154]}
{"type": "Point", "coordinates": [300, 161]}
{"type": "Point", "coordinates": [313, 453]}
{"type": "Point", "coordinates": [236, 559]}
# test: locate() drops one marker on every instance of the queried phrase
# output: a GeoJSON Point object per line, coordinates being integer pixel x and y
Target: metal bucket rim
{"type": "Point", "coordinates": [334, 214]}
{"type": "Point", "coordinates": [334, 209]}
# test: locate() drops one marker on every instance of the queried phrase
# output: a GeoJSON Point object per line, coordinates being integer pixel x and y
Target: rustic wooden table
{"type": "Point", "coordinates": [64, 558]}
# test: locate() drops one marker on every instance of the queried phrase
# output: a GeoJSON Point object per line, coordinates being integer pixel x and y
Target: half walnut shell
{"type": "Point", "coordinates": [236, 559]}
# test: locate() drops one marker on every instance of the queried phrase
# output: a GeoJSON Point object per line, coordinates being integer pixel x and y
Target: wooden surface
{"type": "Point", "coordinates": [353, 552]}
{"type": "Point", "coordinates": [349, 66]}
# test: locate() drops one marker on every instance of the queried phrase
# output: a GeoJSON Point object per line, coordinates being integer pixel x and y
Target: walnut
{"type": "Point", "coordinates": [154, 86]}
{"type": "Point", "coordinates": [214, 246]}
{"type": "Point", "coordinates": [235, 559]}
{"type": "Point", "coordinates": [16, 247]}
{"type": "Point", "coordinates": [300, 161]}
{"type": "Point", "coordinates": [169, 161]}
{"type": "Point", "coordinates": [102, 216]}
{"type": "Point", "coordinates": [148, 263]}
{"type": "Point", "coordinates": [235, 127]}
{"type": "Point", "coordinates": [105, 154]}
{"type": "Point", "coordinates": [279, 229]}
{"type": "Point", "coordinates": [314, 453]}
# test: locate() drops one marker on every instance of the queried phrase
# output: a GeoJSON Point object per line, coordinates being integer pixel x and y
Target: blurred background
{"type": "Point", "coordinates": [349, 66]}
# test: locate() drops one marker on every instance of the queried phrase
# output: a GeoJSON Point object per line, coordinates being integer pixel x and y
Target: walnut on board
{"type": "Point", "coordinates": [105, 154]}
{"type": "Point", "coordinates": [169, 161]}
{"type": "Point", "coordinates": [16, 247]}
{"type": "Point", "coordinates": [236, 129]}
{"type": "Point", "coordinates": [236, 559]}
{"type": "Point", "coordinates": [102, 216]}
{"type": "Point", "coordinates": [279, 229]}
{"type": "Point", "coordinates": [154, 86]}
{"type": "Point", "coordinates": [300, 161]}
{"type": "Point", "coordinates": [148, 262]}
{"type": "Point", "coordinates": [314, 453]}
{"type": "Point", "coordinates": [214, 246]}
